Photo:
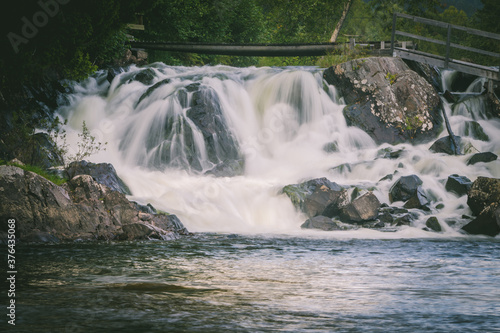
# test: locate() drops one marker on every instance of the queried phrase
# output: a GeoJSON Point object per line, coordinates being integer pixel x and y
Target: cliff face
{"type": "Point", "coordinates": [387, 99]}
{"type": "Point", "coordinates": [80, 209]}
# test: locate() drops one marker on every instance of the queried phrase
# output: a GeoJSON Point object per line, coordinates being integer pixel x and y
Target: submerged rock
{"type": "Point", "coordinates": [80, 209]}
{"type": "Point", "coordinates": [387, 99]}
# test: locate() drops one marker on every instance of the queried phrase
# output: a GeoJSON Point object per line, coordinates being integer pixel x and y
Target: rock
{"type": "Point", "coordinates": [322, 223]}
{"type": "Point", "coordinates": [206, 113]}
{"type": "Point", "coordinates": [80, 209]}
{"type": "Point", "coordinates": [364, 208]}
{"type": "Point", "coordinates": [418, 200]}
{"type": "Point", "coordinates": [389, 153]}
{"type": "Point", "coordinates": [433, 224]}
{"type": "Point", "coordinates": [475, 130]}
{"type": "Point", "coordinates": [487, 223]}
{"type": "Point", "coordinates": [482, 157]}
{"type": "Point", "coordinates": [447, 146]}
{"type": "Point", "coordinates": [459, 185]}
{"type": "Point", "coordinates": [404, 188]}
{"type": "Point", "coordinates": [103, 173]}
{"type": "Point", "coordinates": [143, 231]}
{"type": "Point", "coordinates": [484, 201]}
{"type": "Point", "coordinates": [483, 193]}
{"type": "Point", "coordinates": [317, 197]}
{"type": "Point", "coordinates": [43, 152]}
{"type": "Point", "coordinates": [388, 100]}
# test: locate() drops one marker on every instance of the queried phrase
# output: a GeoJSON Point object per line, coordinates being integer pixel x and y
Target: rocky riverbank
{"type": "Point", "coordinates": [81, 209]}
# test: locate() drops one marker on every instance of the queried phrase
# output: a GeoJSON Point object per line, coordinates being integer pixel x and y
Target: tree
{"type": "Point", "coordinates": [335, 33]}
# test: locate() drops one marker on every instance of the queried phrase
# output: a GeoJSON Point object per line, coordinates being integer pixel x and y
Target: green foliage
{"type": "Point", "coordinates": [391, 78]}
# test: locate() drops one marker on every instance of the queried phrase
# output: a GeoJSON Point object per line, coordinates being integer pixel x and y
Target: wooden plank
{"type": "Point", "coordinates": [445, 25]}
{"type": "Point", "coordinates": [242, 50]}
{"type": "Point", "coordinates": [472, 49]}
{"type": "Point", "coordinates": [438, 61]}
{"type": "Point", "coordinates": [135, 26]}
{"type": "Point", "coordinates": [426, 39]}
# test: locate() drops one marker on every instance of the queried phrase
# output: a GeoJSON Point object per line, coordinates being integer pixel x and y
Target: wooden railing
{"type": "Point", "coordinates": [446, 61]}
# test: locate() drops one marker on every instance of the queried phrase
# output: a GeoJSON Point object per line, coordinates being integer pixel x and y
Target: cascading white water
{"type": "Point", "coordinates": [280, 120]}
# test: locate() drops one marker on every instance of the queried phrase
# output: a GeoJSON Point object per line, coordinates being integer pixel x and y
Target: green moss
{"type": "Point", "coordinates": [39, 171]}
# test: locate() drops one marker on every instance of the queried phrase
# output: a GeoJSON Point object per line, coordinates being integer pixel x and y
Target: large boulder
{"type": "Point", "coordinates": [387, 99]}
{"type": "Point", "coordinates": [317, 197]}
{"type": "Point", "coordinates": [364, 208]}
{"type": "Point", "coordinates": [484, 201]}
{"type": "Point", "coordinates": [80, 209]}
{"type": "Point", "coordinates": [103, 173]}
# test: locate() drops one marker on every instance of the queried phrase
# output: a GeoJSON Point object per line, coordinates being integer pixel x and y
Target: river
{"type": "Point", "coordinates": [249, 267]}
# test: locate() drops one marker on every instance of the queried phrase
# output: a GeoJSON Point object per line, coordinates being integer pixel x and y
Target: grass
{"type": "Point", "coordinates": [39, 171]}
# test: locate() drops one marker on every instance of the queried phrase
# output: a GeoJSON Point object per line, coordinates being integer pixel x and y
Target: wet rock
{"type": "Point", "coordinates": [387, 99]}
{"type": "Point", "coordinates": [475, 130]}
{"type": "Point", "coordinates": [317, 197]}
{"type": "Point", "coordinates": [433, 224]}
{"type": "Point", "coordinates": [487, 223]}
{"type": "Point", "coordinates": [322, 223]}
{"type": "Point", "coordinates": [404, 188]}
{"type": "Point", "coordinates": [483, 193]}
{"type": "Point", "coordinates": [484, 201]}
{"type": "Point", "coordinates": [331, 147]}
{"type": "Point", "coordinates": [482, 157]}
{"type": "Point", "coordinates": [80, 209]}
{"type": "Point", "coordinates": [206, 113]}
{"type": "Point", "coordinates": [418, 200]}
{"type": "Point", "coordinates": [143, 231]}
{"type": "Point", "coordinates": [390, 153]}
{"type": "Point", "coordinates": [364, 208]}
{"type": "Point", "coordinates": [447, 145]}
{"type": "Point", "coordinates": [459, 185]}
{"type": "Point", "coordinates": [103, 173]}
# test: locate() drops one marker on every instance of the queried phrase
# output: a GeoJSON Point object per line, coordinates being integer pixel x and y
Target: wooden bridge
{"type": "Point", "coordinates": [403, 49]}
{"type": "Point", "coordinates": [446, 61]}
{"type": "Point", "coordinates": [267, 50]}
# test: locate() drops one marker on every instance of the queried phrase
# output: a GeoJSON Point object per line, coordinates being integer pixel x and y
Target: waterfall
{"type": "Point", "coordinates": [215, 144]}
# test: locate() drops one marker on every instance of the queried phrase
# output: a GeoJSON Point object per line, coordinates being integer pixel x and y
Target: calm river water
{"type": "Point", "coordinates": [211, 282]}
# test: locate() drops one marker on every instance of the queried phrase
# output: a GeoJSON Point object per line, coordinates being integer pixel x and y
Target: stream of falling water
{"type": "Point", "coordinates": [279, 121]}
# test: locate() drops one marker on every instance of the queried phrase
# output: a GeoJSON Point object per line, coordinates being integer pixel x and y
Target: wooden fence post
{"type": "Point", "coordinates": [448, 41]}
{"type": "Point", "coordinates": [393, 34]}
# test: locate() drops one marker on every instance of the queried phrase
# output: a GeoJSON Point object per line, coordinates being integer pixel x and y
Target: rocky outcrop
{"type": "Point", "coordinates": [387, 99]}
{"type": "Point", "coordinates": [103, 173]}
{"type": "Point", "coordinates": [80, 209]}
{"type": "Point", "coordinates": [484, 201]}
